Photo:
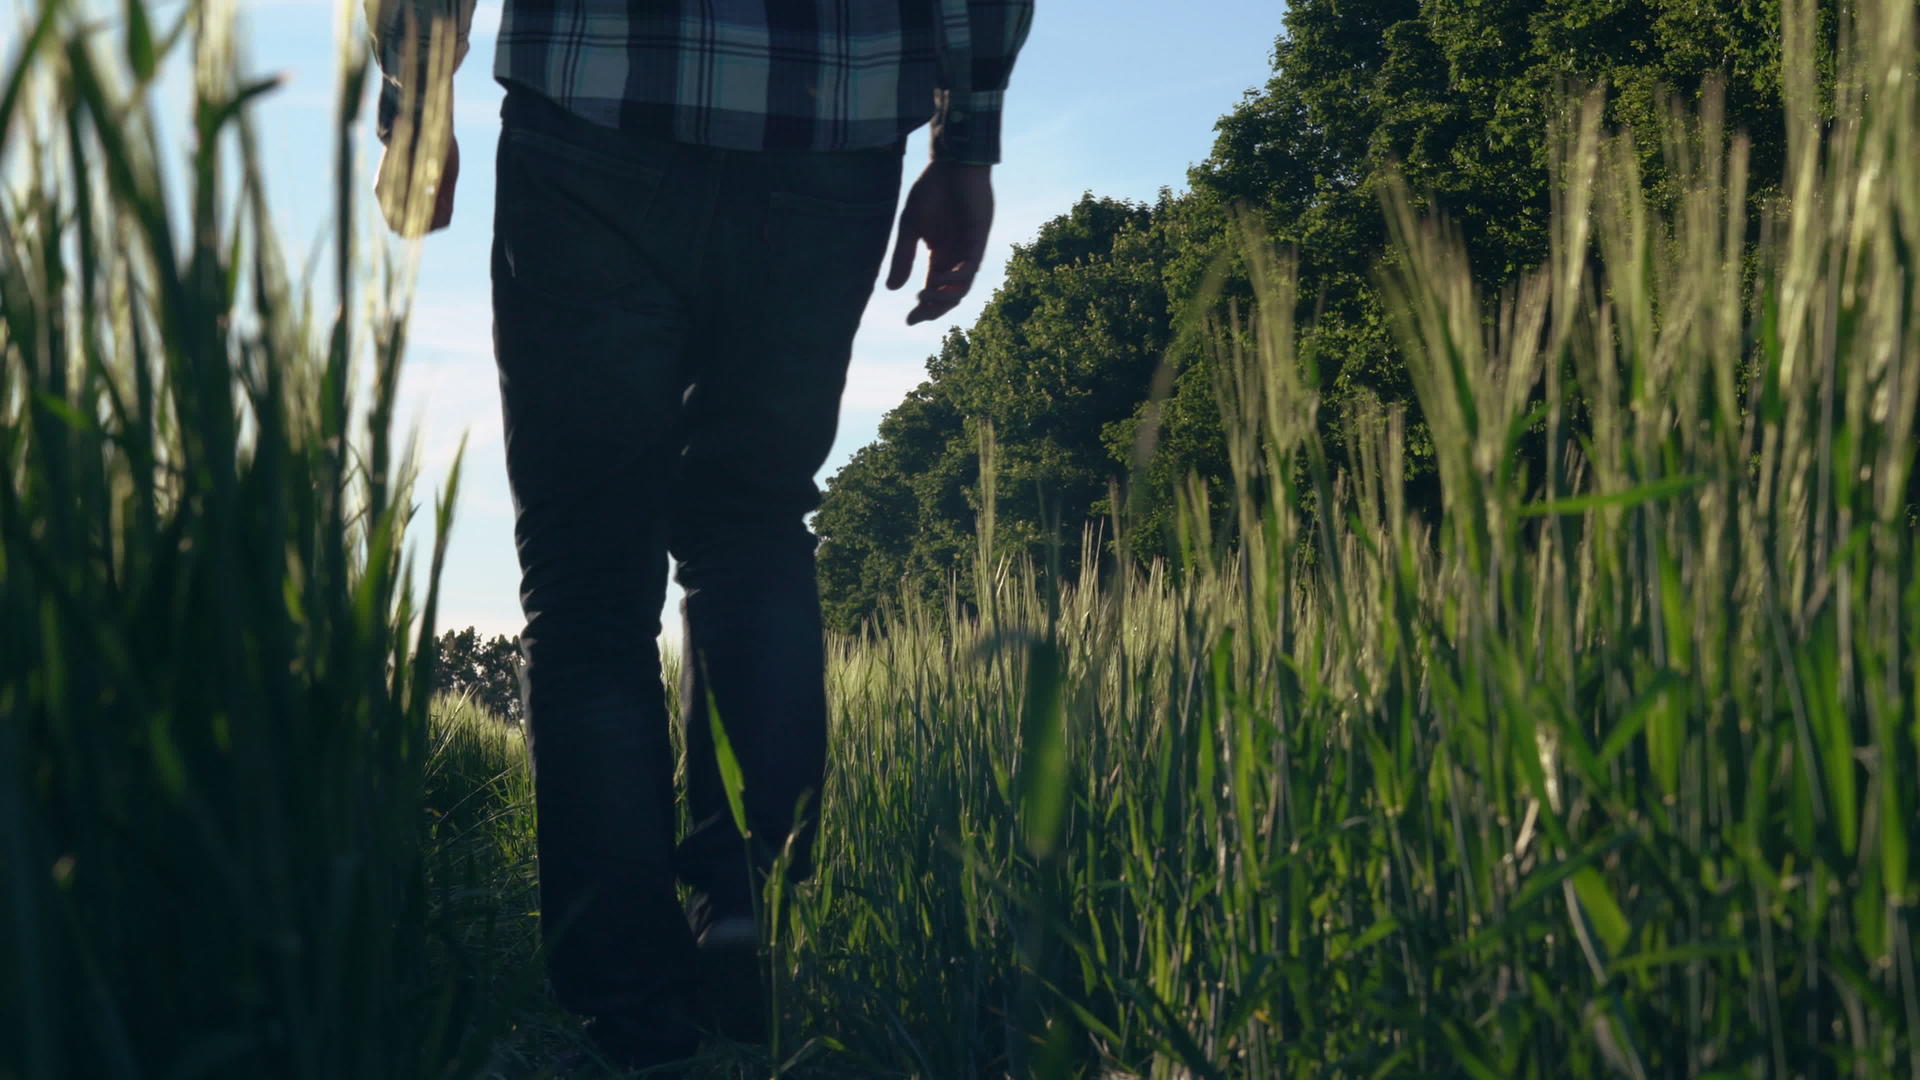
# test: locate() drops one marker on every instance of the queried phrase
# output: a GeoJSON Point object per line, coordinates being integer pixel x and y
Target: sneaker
{"type": "Point", "coordinates": [730, 932]}
{"type": "Point", "coordinates": [722, 921]}
{"type": "Point", "coordinates": [733, 989]}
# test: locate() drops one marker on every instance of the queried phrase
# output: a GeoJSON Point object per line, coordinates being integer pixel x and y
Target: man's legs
{"type": "Point", "coordinates": [592, 317]}
{"type": "Point", "coordinates": [627, 269]}
{"type": "Point", "coordinates": [793, 260]}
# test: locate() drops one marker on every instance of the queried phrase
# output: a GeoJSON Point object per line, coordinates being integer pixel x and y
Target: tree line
{"type": "Point", "coordinates": [1089, 366]}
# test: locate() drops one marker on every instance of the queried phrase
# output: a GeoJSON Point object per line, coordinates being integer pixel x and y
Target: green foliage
{"type": "Point", "coordinates": [1607, 770]}
{"type": "Point", "coordinates": [215, 677]}
{"type": "Point", "coordinates": [1058, 357]}
{"type": "Point", "coordinates": [1456, 97]}
{"type": "Point", "coordinates": [1605, 767]}
{"type": "Point", "coordinates": [482, 880]}
{"type": "Point", "coordinates": [896, 518]}
{"type": "Point", "coordinates": [1452, 96]}
{"type": "Point", "coordinates": [1062, 352]}
{"type": "Point", "coordinates": [485, 671]}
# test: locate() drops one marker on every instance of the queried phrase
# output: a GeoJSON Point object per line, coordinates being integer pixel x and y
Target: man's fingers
{"type": "Point", "coordinates": [930, 308]}
{"type": "Point", "coordinates": [903, 252]}
{"type": "Point", "coordinates": [944, 291]}
{"type": "Point", "coordinates": [949, 285]}
{"type": "Point", "coordinates": [962, 277]}
{"type": "Point", "coordinates": [933, 306]}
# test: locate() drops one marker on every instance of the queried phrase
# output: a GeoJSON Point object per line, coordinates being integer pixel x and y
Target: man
{"type": "Point", "coordinates": [694, 199]}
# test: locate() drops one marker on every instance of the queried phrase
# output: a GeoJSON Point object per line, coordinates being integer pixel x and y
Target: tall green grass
{"type": "Point", "coordinates": [1610, 770]}
{"type": "Point", "coordinates": [213, 682]}
{"type": "Point", "coordinates": [482, 882]}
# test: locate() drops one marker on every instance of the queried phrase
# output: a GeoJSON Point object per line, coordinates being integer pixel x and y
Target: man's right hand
{"type": "Point", "coordinates": [394, 181]}
{"type": "Point", "coordinates": [951, 208]}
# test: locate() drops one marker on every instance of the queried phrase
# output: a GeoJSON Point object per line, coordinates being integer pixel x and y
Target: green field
{"type": "Point", "coordinates": [1611, 769]}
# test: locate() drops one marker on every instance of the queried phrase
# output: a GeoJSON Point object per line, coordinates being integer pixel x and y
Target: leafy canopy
{"type": "Point", "coordinates": [1084, 334]}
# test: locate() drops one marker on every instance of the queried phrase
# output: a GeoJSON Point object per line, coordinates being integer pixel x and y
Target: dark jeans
{"type": "Point", "coordinates": [673, 325]}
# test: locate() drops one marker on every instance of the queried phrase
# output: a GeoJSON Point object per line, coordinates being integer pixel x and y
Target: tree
{"type": "Point", "coordinates": [1454, 96]}
{"type": "Point", "coordinates": [487, 670]}
{"type": "Point", "coordinates": [1066, 347]}
{"type": "Point", "coordinates": [895, 519]}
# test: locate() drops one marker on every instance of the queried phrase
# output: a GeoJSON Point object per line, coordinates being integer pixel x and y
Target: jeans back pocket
{"type": "Point", "coordinates": [828, 220]}
{"type": "Point", "coordinates": [571, 219]}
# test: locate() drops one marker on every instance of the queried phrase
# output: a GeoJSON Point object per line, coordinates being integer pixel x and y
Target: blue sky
{"type": "Point", "coordinates": [1116, 97]}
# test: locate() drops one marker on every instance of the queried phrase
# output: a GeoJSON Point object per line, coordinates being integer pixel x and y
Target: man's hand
{"type": "Point", "coordinates": [951, 208]}
{"type": "Point", "coordinates": [395, 182]}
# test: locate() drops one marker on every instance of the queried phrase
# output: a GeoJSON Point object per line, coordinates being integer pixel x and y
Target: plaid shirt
{"type": "Point", "coordinates": [741, 74]}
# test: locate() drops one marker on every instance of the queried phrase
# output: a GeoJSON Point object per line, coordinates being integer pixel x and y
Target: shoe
{"type": "Point", "coordinates": [732, 983]}
{"type": "Point", "coordinates": [730, 932]}
{"type": "Point", "coordinates": [721, 919]}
